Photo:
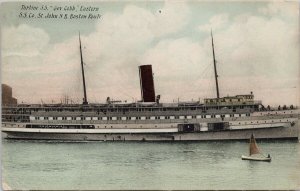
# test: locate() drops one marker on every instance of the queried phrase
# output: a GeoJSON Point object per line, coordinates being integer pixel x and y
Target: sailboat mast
{"type": "Point", "coordinates": [215, 67]}
{"type": "Point", "coordinates": [82, 70]}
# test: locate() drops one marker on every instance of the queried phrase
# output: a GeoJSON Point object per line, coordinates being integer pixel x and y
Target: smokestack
{"type": "Point", "coordinates": [147, 83]}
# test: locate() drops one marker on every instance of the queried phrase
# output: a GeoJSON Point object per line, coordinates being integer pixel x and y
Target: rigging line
{"type": "Point", "coordinates": [123, 92]}
{"type": "Point", "coordinates": [205, 71]}
{"type": "Point", "coordinates": [76, 85]}
{"type": "Point", "coordinates": [205, 74]}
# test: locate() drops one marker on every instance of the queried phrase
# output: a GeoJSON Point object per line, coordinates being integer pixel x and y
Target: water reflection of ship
{"type": "Point", "coordinates": [220, 118]}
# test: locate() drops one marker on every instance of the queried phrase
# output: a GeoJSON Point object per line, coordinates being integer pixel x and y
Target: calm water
{"type": "Point", "coordinates": [148, 165]}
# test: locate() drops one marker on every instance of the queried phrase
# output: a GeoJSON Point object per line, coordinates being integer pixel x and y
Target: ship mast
{"type": "Point", "coordinates": [85, 102]}
{"type": "Point", "coordinates": [215, 67]}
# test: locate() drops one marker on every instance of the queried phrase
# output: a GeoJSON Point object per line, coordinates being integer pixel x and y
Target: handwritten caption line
{"type": "Point", "coordinates": [59, 12]}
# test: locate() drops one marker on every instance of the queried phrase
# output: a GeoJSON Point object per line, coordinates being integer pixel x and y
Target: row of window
{"type": "Point", "coordinates": [140, 118]}
{"type": "Point", "coordinates": [261, 121]}
{"type": "Point", "coordinates": [137, 109]}
{"type": "Point", "coordinates": [226, 100]}
{"type": "Point", "coordinates": [61, 126]}
{"type": "Point", "coordinates": [275, 113]}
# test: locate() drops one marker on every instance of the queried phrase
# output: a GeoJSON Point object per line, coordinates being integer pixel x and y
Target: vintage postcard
{"type": "Point", "coordinates": [150, 95]}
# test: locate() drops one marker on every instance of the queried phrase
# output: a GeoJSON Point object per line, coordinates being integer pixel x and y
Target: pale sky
{"type": "Point", "coordinates": [256, 46]}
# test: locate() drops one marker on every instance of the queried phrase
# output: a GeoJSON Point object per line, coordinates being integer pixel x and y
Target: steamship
{"type": "Point", "coordinates": [221, 118]}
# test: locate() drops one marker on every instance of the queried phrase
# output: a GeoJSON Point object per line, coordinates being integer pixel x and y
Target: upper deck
{"type": "Point", "coordinates": [22, 112]}
{"type": "Point", "coordinates": [129, 107]}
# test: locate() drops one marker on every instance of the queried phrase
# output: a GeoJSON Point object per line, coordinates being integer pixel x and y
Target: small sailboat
{"type": "Point", "coordinates": [254, 152]}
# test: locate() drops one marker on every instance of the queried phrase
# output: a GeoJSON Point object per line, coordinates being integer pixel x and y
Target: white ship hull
{"type": "Point", "coordinates": [165, 133]}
